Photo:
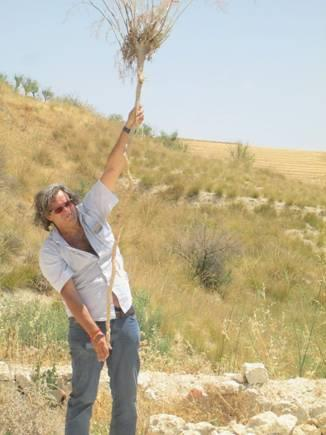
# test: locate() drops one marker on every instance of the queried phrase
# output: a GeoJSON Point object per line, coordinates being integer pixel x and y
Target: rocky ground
{"type": "Point", "coordinates": [274, 407]}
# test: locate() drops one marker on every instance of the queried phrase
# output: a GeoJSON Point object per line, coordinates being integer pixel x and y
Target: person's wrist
{"type": "Point", "coordinates": [96, 336]}
{"type": "Point", "coordinates": [126, 129]}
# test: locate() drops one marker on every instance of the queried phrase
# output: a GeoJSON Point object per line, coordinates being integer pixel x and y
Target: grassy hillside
{"type": "Point", "coordinates": [308, 166]}
{"type": "Point", "coordinates": [216, 281]}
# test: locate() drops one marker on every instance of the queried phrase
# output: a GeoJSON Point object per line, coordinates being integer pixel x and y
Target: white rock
{"type": "Point", "coordinates": [321, 422]}
{"type": "Point", "coordinates": [255, 373]}
{"type": "Point", "coordinates": [317, 410]}
{"type": "Point", "coordinates": [203, 427]}
{"type": "Point", "coordinates": [288, 421]}
{"type": "Point", "coordinates": [294, 408]}
{"type": "Point", "coordinates": [306, 429]}
{"type": "Point", "coordinates": [165, 424]}
{"type": "Point", "coordinates": [268, 423]}
{"type": "Point", "coordinates": [23, 380]}
{"type": "Point", "coordinates": [237, 428]}
{"type": "Point", "coordinates": [190, 432]}
{"type": "Point", "coordinates": [238, 377]}
{"type": "Point", "coordinates": [5, 374]}
{"type": "Point", "coordinates": [222, 432]}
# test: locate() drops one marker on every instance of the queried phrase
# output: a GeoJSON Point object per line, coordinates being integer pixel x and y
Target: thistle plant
{"type": "Point", "coordinates": [140, 27]}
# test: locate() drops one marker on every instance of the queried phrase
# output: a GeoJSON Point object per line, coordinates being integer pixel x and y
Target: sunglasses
{"type": "Point", "coordinates": [60, 209]}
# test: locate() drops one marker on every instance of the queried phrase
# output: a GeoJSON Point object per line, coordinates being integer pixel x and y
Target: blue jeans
{"type": "Point", "coordinates": [123, 369]}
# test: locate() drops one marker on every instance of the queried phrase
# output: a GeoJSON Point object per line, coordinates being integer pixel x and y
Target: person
{"type": "Point", "coordinates": [76, 259]}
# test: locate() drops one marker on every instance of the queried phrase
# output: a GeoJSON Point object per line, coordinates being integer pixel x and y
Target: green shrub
{"type": "Point", "coordinates": [150, 320]}
{"type": "Point", "coordinates": [314, 220]}
{"type": "Point", "coordinates": [172, 141]}
{"type": "Point", "coordinates": [22, 275]}
{"type": "Point", "coordinates": [35, 324]}
{"type": "Point", "coordinates": [4, 79]}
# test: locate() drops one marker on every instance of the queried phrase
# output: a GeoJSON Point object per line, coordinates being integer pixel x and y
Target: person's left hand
{"type": "Point", "coordinates": [135, 117]}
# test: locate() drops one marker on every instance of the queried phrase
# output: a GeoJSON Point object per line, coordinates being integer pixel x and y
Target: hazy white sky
{"type": "Point", "coordinates": [254, 71]}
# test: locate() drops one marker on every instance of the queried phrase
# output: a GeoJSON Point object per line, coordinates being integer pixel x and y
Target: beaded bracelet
{"type": "Point", "coordinates": [98, 331]}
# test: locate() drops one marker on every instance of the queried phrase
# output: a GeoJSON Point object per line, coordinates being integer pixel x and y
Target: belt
{"type": "Point", "coordinates": [120, 314]}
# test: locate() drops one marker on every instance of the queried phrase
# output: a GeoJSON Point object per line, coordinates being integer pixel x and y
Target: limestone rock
{"type": "Point", "coordinates": [306, 429]}
{"type": "Point", "coordinates": [267, 423]}
{"type": "Point", "coordinates": [5, 374]}
{"type": "Point", "coordinates": [237, 428]}
{"type": "Point", "coordinates": [203, 427]}
{"type": "Point", "coordinates": [255, 373]}
{"type": "Point", "coordinates": [321, 422]}
{"type": "Point", "coordinates": [288, 422]}
{"type": "Point", "coordinates": [317, 410]}
{"type": "Point", "coordinates": [287, 407]}
{"type": "Point", "coordinates": [165, 424]}
{"type": "Point", "coordinates": [238, 377]}
{"type": "Point", "coordinates": [23, 381]}
{"type": "Point", "coordinates": [190, 432]}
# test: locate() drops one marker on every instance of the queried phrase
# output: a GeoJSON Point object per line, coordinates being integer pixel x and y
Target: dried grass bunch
{"type": "Point", "coordinates": [140, 28]}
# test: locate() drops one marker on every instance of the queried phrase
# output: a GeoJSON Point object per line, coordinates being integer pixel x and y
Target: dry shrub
{"type": "Point", "coordinates": [216, 408]}
{"type": "Point", "coordinates": [28, 413]}
{"type": "Point", "coordinates": [206, 251]}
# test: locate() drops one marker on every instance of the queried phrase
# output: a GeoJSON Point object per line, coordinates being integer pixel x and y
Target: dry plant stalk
{"type": "Point", "coordinates": [140, 27]}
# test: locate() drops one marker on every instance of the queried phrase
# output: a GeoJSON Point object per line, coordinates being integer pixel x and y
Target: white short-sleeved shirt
{"type": "Point", "coordinates": [91, 273]}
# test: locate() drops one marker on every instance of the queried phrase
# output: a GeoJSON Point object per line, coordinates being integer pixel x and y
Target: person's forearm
{"type": "Point", "coordinates": [79, 311]}
{"type": "Point", "coordinates": [116, 160]}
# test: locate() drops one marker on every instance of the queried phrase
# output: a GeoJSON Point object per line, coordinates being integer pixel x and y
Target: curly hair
{"type": "Point", "coordinates": [43, 199]}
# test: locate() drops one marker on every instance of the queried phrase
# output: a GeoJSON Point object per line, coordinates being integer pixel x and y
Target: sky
{"type": "Point", "coordinates": [250, 70]}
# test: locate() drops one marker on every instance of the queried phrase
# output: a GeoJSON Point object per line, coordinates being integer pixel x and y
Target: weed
{"type": "Point", "coordinates": [206, 252]}
{"type": "Point", "coordinates": [150, 320]}
{"type": "Point", "coordinates": [240, 153]}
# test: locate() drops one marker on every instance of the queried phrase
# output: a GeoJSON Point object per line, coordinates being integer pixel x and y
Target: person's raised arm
{"type": "Point", "coordinates": [116, 160]}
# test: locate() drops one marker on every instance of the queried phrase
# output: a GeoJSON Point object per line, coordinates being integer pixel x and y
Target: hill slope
{"type": "Point", "coordinates": [222, 256]}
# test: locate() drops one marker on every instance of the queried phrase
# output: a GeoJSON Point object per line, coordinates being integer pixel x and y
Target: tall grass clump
{"type": "Point", "coordinates": [240, 153]}
{"type": "Point", "coordinates": [150, 321]}
{"type": "Point", "coordinates": [206, 252]}
{"type": "Point", "coordinates": [33, 324]}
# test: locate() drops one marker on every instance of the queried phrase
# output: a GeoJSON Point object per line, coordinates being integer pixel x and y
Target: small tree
{"type": "Point", "coordinates": [4, 78]}
{"type": "Point", "coordinates": [144, 130]}
{"type": "Point", "coordinates": [172, 141]}
{"type": "Point", "coordinates": [116, 117]}
{"type": "Point", "coordinates": [47, 94]}
{"type": "Point", "coordinates": [18, 81]}
{"type": "Point", "coordinates": [27, 85]}
{"type": "Point", "coordinates": [34, 88]}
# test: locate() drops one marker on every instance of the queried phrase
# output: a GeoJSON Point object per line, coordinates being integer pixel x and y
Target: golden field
{"type": "Point", "coordinates": [308, 166]}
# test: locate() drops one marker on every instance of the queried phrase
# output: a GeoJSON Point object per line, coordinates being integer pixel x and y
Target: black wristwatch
{"type": "Point", "coordinates": [126, 129]}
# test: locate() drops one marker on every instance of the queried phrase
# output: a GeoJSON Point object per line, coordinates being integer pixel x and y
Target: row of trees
{"type": "Point", "coordinates": [29, 86]}
{"type": "Point", "coordinates": [169, 140]}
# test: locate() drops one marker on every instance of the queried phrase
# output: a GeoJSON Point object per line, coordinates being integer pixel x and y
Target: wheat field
{"type": "Point", "coordinates": [303, 165]}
